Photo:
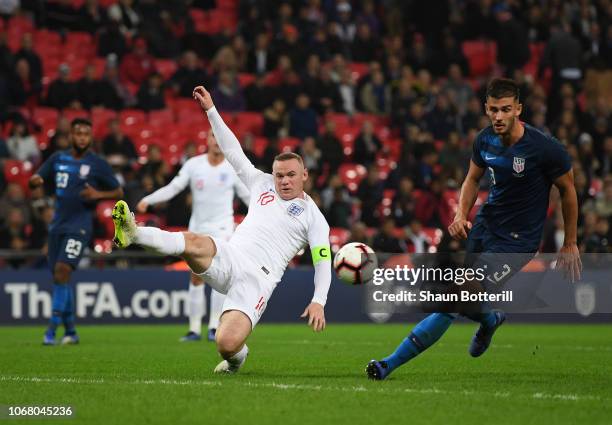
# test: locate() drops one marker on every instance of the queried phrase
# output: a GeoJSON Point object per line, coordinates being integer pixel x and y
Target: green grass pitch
{"type": "Point", "coordinates": [533, 374]}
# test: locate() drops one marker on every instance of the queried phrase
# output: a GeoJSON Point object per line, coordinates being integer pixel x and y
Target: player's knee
{"type": "Point", "coordinates": [61, 273]}
{"type": "Point", "coordinates": [228, 344]}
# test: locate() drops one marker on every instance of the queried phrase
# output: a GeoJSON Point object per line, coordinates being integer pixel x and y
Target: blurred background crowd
{"type": "Point", "coordinates": [382, 98]}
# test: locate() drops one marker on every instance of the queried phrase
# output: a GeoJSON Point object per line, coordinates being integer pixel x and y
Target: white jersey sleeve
{"type": "Point", "coordinates": [230, 146]}
{"type": "Point", "coordinates": [176, 186]}
{"type": "Point", "coordinates": [318, 240]}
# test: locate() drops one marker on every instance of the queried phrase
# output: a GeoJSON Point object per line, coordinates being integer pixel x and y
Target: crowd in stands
{"type": "Point", "coordinates": [382, 98]}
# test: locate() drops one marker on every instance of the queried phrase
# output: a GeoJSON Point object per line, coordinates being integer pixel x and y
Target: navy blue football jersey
{"type": "Point", "coordinates": [73, 214]}
{"type": "Point", "coordinates": [521, 178]}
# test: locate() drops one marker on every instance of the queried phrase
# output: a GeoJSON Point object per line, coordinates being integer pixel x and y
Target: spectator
{"type": "Point", "coordinates": [260, 59]}
{"type": "Point", "coordinates": [13, 235]}
{"type": "Point", "coordinates": [302, 119]}
{"type": "Point", "coordinates": [28, 53]}
{"type": "Point", "coordinates": [370, 193]}
{"type": "Point", "coordinates": [258, 95]}
{"type": "Point", "coordinates": [376, 95]}
{"type": "Point", "coordinates": [332, 152]}
{"type": "Point", "coordinates": [418, 238]}
{"type": "Point", "coordinates": [124, 13]}
{"type": "Point", "coordinates": [442, 119]}
{"type": "Point", "coordinates": [599, 242]}
{"type": "Point", "coordinates": [137, 65]}
{"type": "Point", "coordinates": [339, 211]}
{"type": "Point", "coordinates": [91, 17]}
{"type": "Point", "coordinates": [118, 144]}
{"type": "Point", "coordinates": [63, 92]}
{"type": "Point", "coordinates": [151, 93]}
{"type": "Point", "coordinates": [189, 75]}
{"type": "Point", "coordinates": [111, 40]}
{"type": "Point", "coordinates": [403, 205]}
{"type": "Point", "coordinates": [311, 155]}
{"type": "Point", "coordinates": [512, 41]}
{"type": "Point", "coordinates": [115, 94]}
{"type": "Point", "coordinates": [25, 88]}
{"type": "Point", "coordinates": [367, 145]}
{"type": "Point", "coordinates": [275, 120]}
{"type": "Point", "coordinates": [14, 197]}
{"type": "Point", "coordinates": [359, 233]}
{"type": "Point", "coordinates": [386, 240]}
{"type": "Point", "coordinates": [365, 48]}
{"type": "Point", "coordinates": [21, 144]}
{"type": "Point", "coordinates": [348, 92]}
{"type": "Point", "coordinates": [228, 94]}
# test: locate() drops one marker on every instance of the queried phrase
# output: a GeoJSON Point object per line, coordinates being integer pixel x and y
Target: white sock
{"type": "Point", "coordinates": [216, 308]}
{"type": "Point", "coordinates": [196, 307]}
{"type": "Point", "coordinates": [160, 241]}
{"type": "Point", "coordinates": [237, 359]}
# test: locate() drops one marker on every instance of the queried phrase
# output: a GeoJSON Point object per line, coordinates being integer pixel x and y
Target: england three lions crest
{"type": "Point", "coordinates": [518, 165]}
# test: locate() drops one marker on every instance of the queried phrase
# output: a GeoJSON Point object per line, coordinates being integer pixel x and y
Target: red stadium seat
{"type": "Point", "coordinates": [250, 122]}
{"type": "Point", "coordinates": [245, 79]}
{"type": "Point", "coordinates": [359, 70]}
{"type": "Point", "coordinates": [166, 67]}
{"type": "Point", "coordinates": [481, 55]}
{"type": "Point", "coordinates": [434, 236]}
{"type": "Point", "coordinates": [104, 210]}
{"type": "Point", "coordinates": [132, 117]}
{"type": "Point", "coordinates": [18, 172]}
{"type": "Point", "coordinates": [338, 237]}
{"type": "Point", "coordinates": [288, 144]}
{"type": "Point", "coordinates": [103, 246]}
{"type": "Point", "coordinates": [351, 175]}
{"type": "Point", "coordinates": [71, 114]}
{"type": "Point", "coordinates": [161, 118]}
{"type": "Point", "coordinates": [259, 146]}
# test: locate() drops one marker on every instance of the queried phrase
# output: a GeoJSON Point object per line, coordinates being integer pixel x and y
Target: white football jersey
{"type": "Point", "coordinates": [275, 230]}
{"type": "Point", "coordinates": [212, 189]}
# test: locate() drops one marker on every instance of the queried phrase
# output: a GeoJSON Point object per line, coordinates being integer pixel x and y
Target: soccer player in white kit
{"type": "Point", "coordinates": [213, 182]}
{"type": "Point", "coordinates": [282, 219]}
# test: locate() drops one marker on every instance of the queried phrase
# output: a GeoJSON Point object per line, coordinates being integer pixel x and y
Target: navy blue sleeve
{"type": "Point", "coordinates": [106, 177]}
{"type": "Point", "coordinates": [555, 159]}
{"type": "Point", "coordinates": [46, 169]}
{"type": "Point", "coordinates": [476, 147]}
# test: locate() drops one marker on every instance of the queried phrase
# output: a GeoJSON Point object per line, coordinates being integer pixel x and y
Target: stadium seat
{"type": "Point", "coordinates": [351, 175]}
{"type": "Point", "coordinates": [481, 55]}
{"type": "Point", "coordinates": [259, 146]}
{"type": "Point", "coordinates": [104, 210]}
{"type": "Point", "coordinates": [161, 118]}
{"type": "Point", "coordinates": [338, 237]}
{"type": "Point", "coordinates": [288, 144]}
{"type": "Point", "coordinates": [166, 67]}
{"type": "Point", "coordinates": [434, 236]}
{"type": "Point", "coordinates": [103, 246]}
{"type": "Point", "coordinates": [358, 70]}
{"type": "Point", "coordinates": [19, 172]}
{"type": "Point", "coordinates": [132, 117]}
{"type": "Point", "coordinates": [71, 114]}
{"type": "Point", "coordinates": [250, 122]}
{"type": "Point", "coordinates": [245, 79]}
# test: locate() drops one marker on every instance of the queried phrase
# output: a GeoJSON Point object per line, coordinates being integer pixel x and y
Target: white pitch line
{"type": "Point", "coordinates": [300, 387]}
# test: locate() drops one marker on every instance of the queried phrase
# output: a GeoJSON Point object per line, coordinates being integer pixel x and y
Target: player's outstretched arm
{"type": "Point", "coordinates": [460, 226]}
{"type": "Point", "coordinates": [169, 191]}
{"type": "Point", "coordinates": [569, 256]}
{"type": "Point", "coordinates": [229, 144]}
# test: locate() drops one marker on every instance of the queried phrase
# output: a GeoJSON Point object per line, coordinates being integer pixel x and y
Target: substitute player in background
{"type": "Point", "coordinates": [80, 178]}
{"type": "Point", "coordinates": [213, 182]}
{"type": "Point", "coordinates": [523, 164]}
{"type": "Point", "coordinates": [281, 221]}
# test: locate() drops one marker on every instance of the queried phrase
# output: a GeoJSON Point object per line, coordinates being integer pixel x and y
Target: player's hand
{"type": "Point", "coordinates": [201, 95]}
{"type": "Point", "coordinates": [316, 316]}
{"type": "Point", "coordinates": [89, 193]}
{"type": "Point", "coordinates": [569, 261]}
{"type": "Point", "coordinates": [141, 208]}
{"type": "Point", "coordinates": [459, 228]}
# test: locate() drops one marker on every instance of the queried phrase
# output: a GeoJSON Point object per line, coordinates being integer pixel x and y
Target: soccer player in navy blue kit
{"type": "Point", "coordinates": [523, 164]}
{"type": "Point", "coordinates": [80, 179]}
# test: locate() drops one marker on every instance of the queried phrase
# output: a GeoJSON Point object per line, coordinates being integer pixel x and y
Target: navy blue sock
{"type": "Point", "coordinates": [58, 304]}
{"type": "Point", "coordinates": [68, 315]}
{"type": "Point", "coordinates": [423, 336]}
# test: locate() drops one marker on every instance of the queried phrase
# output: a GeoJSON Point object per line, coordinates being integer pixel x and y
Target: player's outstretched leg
{"type": "Point", "coordinates": [489, 322]}
{"type": "Point", "coordinates": [423, 336]}
{"type": "Point", "coordinates": [234, 329]}
{"type": "Point", "coordinates": [70, 337]}
{"type": "Point", "coordinates": [60, 301]}
{"type": "Point", "coordinates": [197, 250]}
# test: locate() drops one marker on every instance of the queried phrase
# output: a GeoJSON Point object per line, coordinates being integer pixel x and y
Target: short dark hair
{"type": "Point", "coordinates": [80, 121]}
{"type": "Point", "coordinates": [286, 156]}
{"type": "Point", "coordinates": [503, 87]}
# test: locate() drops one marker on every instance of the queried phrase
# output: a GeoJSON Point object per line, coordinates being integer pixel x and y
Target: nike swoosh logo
{"type": "Point", "coordinates": [489, 157]}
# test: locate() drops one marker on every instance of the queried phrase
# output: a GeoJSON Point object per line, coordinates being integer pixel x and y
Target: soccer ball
{"type": "Point", "coordinates": [355, 263]}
